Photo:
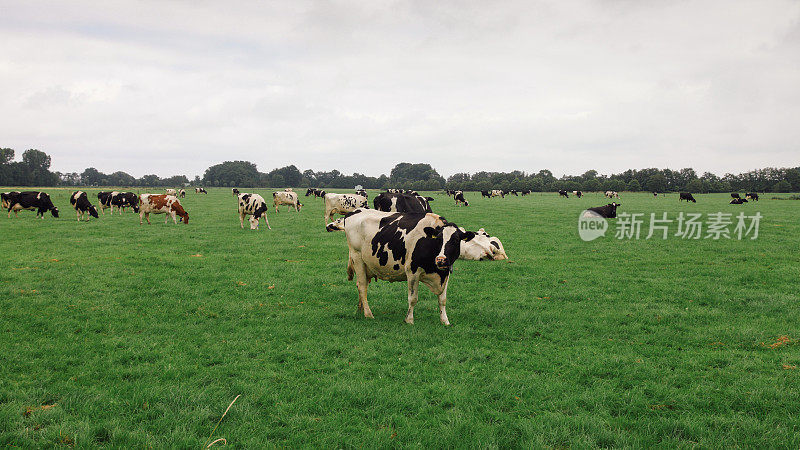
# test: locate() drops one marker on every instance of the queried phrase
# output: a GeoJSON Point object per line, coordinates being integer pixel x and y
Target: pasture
{"type": "Point", "coordinates": [124, 335]}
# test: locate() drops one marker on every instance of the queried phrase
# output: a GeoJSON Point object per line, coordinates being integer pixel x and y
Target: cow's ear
{"type": "Point", "coordinates": [467, 236]}
{"type": "Point", "coordinates": [430, 232]}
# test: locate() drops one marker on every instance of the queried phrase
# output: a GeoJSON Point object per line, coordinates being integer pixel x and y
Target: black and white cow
{"type": "Point", "coordinates": [405, 203]}
{"type": "Point", "coordinates": [608, 211]}
{"type": "Point", "coordinates": [182, 193]}
{"type": "Point", "coordinates": [482, 247]}
{"type": "Point", "coordinates": [104, 198]}
{"type": "Point", "coordinates": [80, 201]}
{"type": "Point", "coordinates": [342, 204]}
{"type": "Point", "coordinates": [459, 197]}
{"type": "Point", "coordinates": [751, 196]}
{"type": "Point", "coordinates": [687, 196]}
{"type": "Point", "coordinates": [512, 192]}
{"type": "Point", "coordinates": [577, 193]}
{"type": "Point", "coordinates": [525, 192]}
{"type": "Point", "coordinates": [498, 193]}
{"type": "Point", "coordinates": [311, 191]}
{"type": "Point", "coordinates": [738, 201]}
{"type": "Point", "coordinates": [735, 195]}
{"type": "Point", "coordinates": [612, 194]}
{"type": "Point", "coordinates": [563, 193]}
{"type": "Point", "coordinates": [29, 200]}
{"type": "Point", "coordinates": [401, 247]}
{"type": "Point", "coordinates": [252, 205]}
{"type": "Point", "coordinates": [362, 193]}
{"type": "Point", "coordinates": [235, 191]}
{"type": "Point", "coordinates": [655, 194]}
{"type": "Point", "coordinates": [199, 190]}
{"type": "Point", "coordinates": [122, 200]}
{"type": "Point", "coordinates": [286, 198]}
{"type": "Point", "coordinates": [486, 194]}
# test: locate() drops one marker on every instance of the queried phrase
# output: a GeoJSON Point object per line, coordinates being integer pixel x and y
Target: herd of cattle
{"type": "Point", "coordinates": [399, 239]}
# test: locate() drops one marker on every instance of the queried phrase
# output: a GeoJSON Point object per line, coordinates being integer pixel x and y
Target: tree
{"type": "Point", "coordinates": [782, 186]}
{"type": "Point", "coordinates": [694, 186]}
{"type": "Point", "coordinates": [91, 177]}
{"type": "Point", "coordinates": [6, 155]}
{"type": "Point", "coordinates": [657, 183]}
{"type": "Point", "coordinates": [232, 174]}
{"type": "Point", "coordinates": [634, 185]}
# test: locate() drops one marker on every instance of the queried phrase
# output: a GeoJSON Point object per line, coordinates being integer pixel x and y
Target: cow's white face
{"type": "Point", "coordinates": [477, 249]}
{"type": "Point", "coordinates": [253, 223]}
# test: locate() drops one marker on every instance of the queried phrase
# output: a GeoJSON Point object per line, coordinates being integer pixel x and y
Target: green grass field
{"type": "Point", "coordinates": [140, 336]}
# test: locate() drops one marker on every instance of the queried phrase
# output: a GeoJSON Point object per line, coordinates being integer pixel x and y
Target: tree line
{"type": "Point", "coordinates": [34, 170]}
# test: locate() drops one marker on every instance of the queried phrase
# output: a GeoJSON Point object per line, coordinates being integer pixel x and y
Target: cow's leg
{"type": "Point", "coordinates": [413, 295]}
{"type": "Point", "coordinates": [362, 282]}
{"type": "Point", "coordinates": [147, 217]}
{"type": "Point", "coordinates": [443, 303]}
{"type": "Point", "coordinates": [141, 213]}
{"type": "Point", "coordinates": [241, 220]}
{"type": "Point", "coordinates": [266, 221]}
{"type": "Point", "coordinates": [79, 215]}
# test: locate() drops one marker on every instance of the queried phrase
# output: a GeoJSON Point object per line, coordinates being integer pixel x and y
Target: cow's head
{"type": "Point", "coordinates": [254, 221]}
{"type": "Point", "coordinates": [299, 206]}
{"type": "Point", "coordinates": [93, 211]}
{"type": "Point", "coordinates": [451, 236]}
{"type": "Point", "coordinates": [336, 225]}
{"type": "Point", "coordinates": [54, 212]}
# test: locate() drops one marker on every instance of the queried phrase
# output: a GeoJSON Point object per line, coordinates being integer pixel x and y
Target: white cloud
{"type": "Point", "coordinates": [173, 87]}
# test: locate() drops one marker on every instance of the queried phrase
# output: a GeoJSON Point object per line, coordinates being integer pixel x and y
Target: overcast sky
{"type": "Point", "coordinates": [174, 87]}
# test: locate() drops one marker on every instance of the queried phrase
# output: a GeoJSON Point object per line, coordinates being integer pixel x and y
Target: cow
{"type": "Point", "coordinates": [362, 193]}
{"type": "Point", "coordinates": [486, 194]}
{"type": "Point", "coordinates": [482, 247]}
{"type": "Point", "coordinates": [655, 194]}
{"type": "Point", "coordinates": [288, 190]}
{"type": "Point", "coordinates": [200, 191]}
{"type": "Point", "coordinates": [252, 205]}
{"type": "Point", "coordinates": [7, 197]}
{"type": "Point", "coordinates": [29, 200]}
{"type": "Point", "coordinates": [286, 198]}
{"type": "Point", "coordinates": [311, 191]}
{"type": "Point", "coordinates": [80, 201]}
{"type": "Point", "coordinates": [124, 200]}
{"type": "Point", "coordinates": [235, 191]}
{"type": "Point", "coordinates": [170, 191]}
{"type": "Point", "coordinates": [608, 211]}
{"type": "Point", "coordinates": [751, 196]}
{"type": "Point", "coordinates": [459, 198]}
{"type": "Point", "coordinates": [563, 193]}
{"type": "Point", "coordinates": [686, 196]}
{"type": "Point", "coordinates": [738, 201]}
{"type": "Point", "coordinates": [104, 198]}
{"type": "Point", "coordinates": [406, 203]}
{"type": "Point", "coordinates": [394, 191]}
{"type": "Point", "coordinates": [182, 193]}
{"type": "Point", "coordinates": [342, 204]}
{"type": "Point", "coordinates": [161, 204]}
{"type": "Point", "coordinates": [525, 192]}
{"type": "Point", "coordinates": [401, 247]}
{"type": "Point", "coordinates": [612, 194]}
{"type": "Point", "coordinates": [512, 192]}
{"type": "Point", "coordinates": [577, 193]}
{"type": "Point", "coordinates": [498, 193]}
{"type": "Point", "coordinates": [735, 195]}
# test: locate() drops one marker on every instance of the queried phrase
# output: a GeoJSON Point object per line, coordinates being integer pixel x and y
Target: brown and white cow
{"type": "Point", "coordinates": [286, 198]}
{"type": "Point", "coordinates": [342, 204]}
{"type": "Point", "coordinates": [161, 204]}
{"type": "Point", "coordinates": [252, 205]}
{"type": "Point", "coordinates": [401, 247]}
{"type": "Point", "coordinates": [171, 191]}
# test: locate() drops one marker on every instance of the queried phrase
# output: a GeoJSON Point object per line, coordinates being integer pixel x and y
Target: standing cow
{"type": "Point", "coordinates": [388, 202]}
{"type": "Point", "coordinates": [342, 204]}
{"type": "Point", "coordinates": [80, 201]}
{"type": "Point", "coordinates": [686, 196]}
{"type": "Point", "coordinates": [161, 204]}
{"type": "Point", "coordinates": [459, 198]}
{"type": "Point", "coordinates": [252, 205]}
{"type": "Point", "coordinates": [124, 200]}
{"type": "Point", "coordinates": [171, 191]}
{"type": "Point", "coordinates": [563, 193]}
{"type": "Point", "coordinates": [286, 198]}
{"type": "Point", "coordinates": [29, 200]}
{"type": "Point", "coordinates": [401, 247]}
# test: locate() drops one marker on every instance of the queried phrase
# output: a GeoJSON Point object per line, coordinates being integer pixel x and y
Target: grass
{"type": "Point", "coordinates": [140, 336]}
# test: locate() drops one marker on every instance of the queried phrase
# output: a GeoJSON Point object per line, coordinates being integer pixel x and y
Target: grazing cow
{"type": "Point", "coordinates": [161, 204]}
{"type": "Point", "coordinates": [104, 198]}
{"type": "Point", "coordinates": [686, 196]}
{"type": "Point", "coordinates": [29, 200]}
{"type": "Point", "coordinates": [612, 194]}
{"type": "Point", "coordinates": [80, 201]}
{"type": "Point", "coordinates": [563, 193]}
{"type": "Point", "coordinates": [342, 204]}
{"type": "Point", "coordinates": [235, 191]}
{"type": "Point", "coordinates": [252, 205]}
{"type": "Point", "coordinates": [735, 195]}
{"type": "Point", "coordinates": [404, 203]}
{"type": "Point", "coordinates": [498, 193]}
{"type": "Point", "coordinates": [401, 247]}
{"type": "Point", "coordinates": [459, 197]}
{"type": "Point", "coordinates": [394, 191]}
{"type": "Point", "coordinates": [311, 191]}
{"type": "Point", "coordinates": [751, 196]}
{"type": "Point", "coordinates": [182, 193]}
{"type": "Point", "coordinates": [525, 192]}
{"type": "Point", "coordinates": [171, 191]}
{"type": "Point", "coordinates": [288, 190]}
{"type": "Point", "coordinates": [362, 193]}
{"type": "Point", "coordinates": [486, 194]}
{"type": "Point", "coordinates": [286, 198]}
{"type": "Point", "coordinates": [655, 194]}
{"type": "Point", "coordinates": [738, 201]}
{"type": "Point", "coordinates": [124, 200]}
{"type": "Point", "coordinates": [512, 192]}
{"type": "Point", "coordinates": [200, 191]}
{"type": "Point", "coordinates": [482, 247]}
{"type": "Point", "coordinates": [609, 211]}
{"type": "Point", "coordinates": [577, 193]}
